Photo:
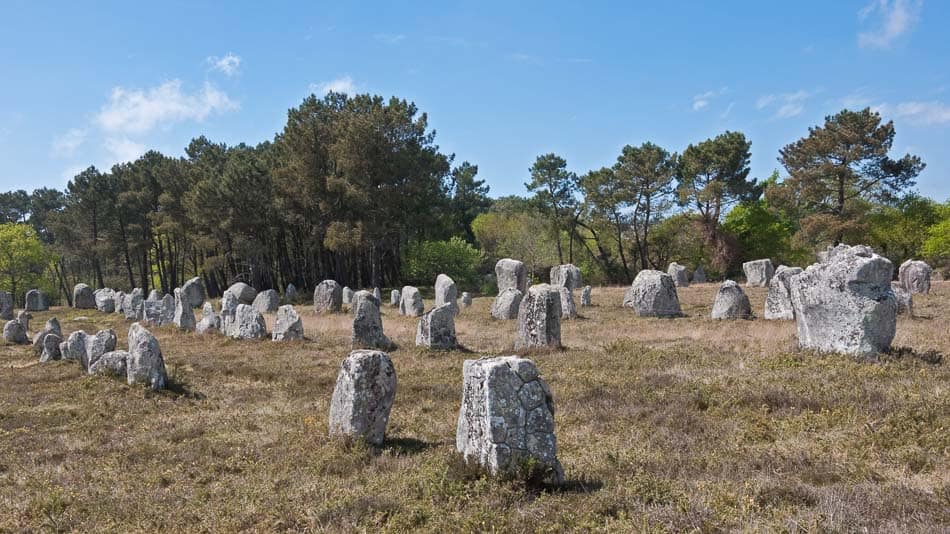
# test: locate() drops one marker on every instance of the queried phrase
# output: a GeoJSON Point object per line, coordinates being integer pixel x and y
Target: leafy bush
{"type": "Point", "coordinates": [424, 261]}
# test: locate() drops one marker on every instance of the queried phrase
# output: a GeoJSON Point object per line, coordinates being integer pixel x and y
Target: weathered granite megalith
{"type": "Point", "coordinates": [585, 297]}
{"type": "Point", "coordinates": [539, 318]}
{"type": "Point", "coordinates": [105, 300]}
{"type": "Point", "coordinates": [679, 275]}
{"type": "Point", "coordinates": [244, 292]}
{"type": "Point", "coordinates": [36, 300]}
{"type": "Point", "coordinates": [247, 323]}
{"type": "Point", "coordinates": [446, 292]}
{"type": "Point", "coordinates": [290, 294]}
{"type": "Point", "coordinates": [914, 276]}
{"type": "Point", "coordinates": [758, 273]}
{"type": "Point", "coordinates": [511, 273]}
{"type": "Point", "coordinates": [436, 329]}
{"type": "Point", "coordinates": [506, 305]}
{"type": "Point", "coordinates": [568, 307]}
{"type": "Point", "coordinates": [210, 321]}
{"type": "Point", "coordinates": [83, 298]}
{"type": "Point", "coordinates": [653, 294]}
{"type": "Point", "coordinates": [905, 300]}
{"type": "Point", "coordinates": [363, 396]}
{"type": "Point", "coordinates": [267, 301]}
{"type": "Point", "coordinates": [466, 299]}
{"type": "Point", "coordinates": [194, 292]}
{"type": "Point", "coordinates": [731, 302]}
{"type": "Point", "coordinates": [114, 363]}
{"type": "Point", "coordinates": [568, 275]}
{"type": "Point", "coordinates": [328, 297]}
{"type": "Point", "coordinates": [6, 306]}
{"type": "Point", "coordinates": [287, 326]}
{"type": "Point", "coordinates": [394, 298]}
{"type": "Point", "coordinates": [184, 317]}
{"type": "Point", "coordinates": [348, 296]}
{"type": "Point", "coordinates": [367, 330]}
{"type": "Point", "coordinates": [699, 275]}
{"type": "Point", "coordinates": [778, 302]}
{"type": "Point", "coordinates": [410, 303]}
{"type": "Point", "coordinates": [15, 333]}
{"type": "Point", "coordinates": [145, 364]}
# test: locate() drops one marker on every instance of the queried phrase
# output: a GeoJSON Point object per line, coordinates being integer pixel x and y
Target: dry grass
{"type": "Point", "coordinates": [663, 425]}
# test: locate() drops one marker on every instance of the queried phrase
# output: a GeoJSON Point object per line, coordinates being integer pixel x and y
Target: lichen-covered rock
{"type": "Point", "coordinates": [133, 307]}
{"type": "Point", "coordinates": [367, 324]}
{"type": "Point", "coordinates": [410, 303]}
{"type": "Point", "coordinates": [114, 363]}
{"type": "Point", "coordinates": [758, 273]}
{"type": "Point", "coordinates": [363, 396]}
{"type": "Point", "coordinates": [244, 293]}
{"type": "Point", "coordinates": [290, 294]}
{"type": "Point", "coordinates": [348, 296]}
{"type": "Point", "coordinates": [436, 329]}
{"type": "Point", "coordinates": [168, 310]}
{"type": "Point", "coordinates": [585, 297]}
{"type": "Point", "coordinates": [568, 308]}
{"type": "Point", "coordinates": [153, 312]}
{"type": "Point", "coordinates": [6, 306]}
{"type": "Point", "coordinates": [267, 301]}
{"type": "Point", "coordinates": [653, 294]}
{"type": "Point", "coordinates": [288, 325]}
{"type": "Point", "coordinates": [394, 298]}
{"type": "Point", "coordinates": [539, 318]}
{"type": "Point", "coordinates": [506, 305]}
{"type": "Point", "coordinates": [567, 275]}
{"type": "Point", "coordinates": [466, 299]}
{"type": "Point", "coordinates": [51, 327]}
{"type": "Point", "coordinates": [446, 292]}
{"type": "Point", "coordinates": [506, 422]}
{"type": "Point", "coordinates": [194, 292]}
{"type": "Point", "coordinates": [50, 347]}
{"type": "Point", "coordinates": [36, 300]}
{"type": "Point", "coordinates": [905, 300]}
{"type": "Point", "coordinates": [14, 332]}
{"type": "Point", "coordinates": [105, 300]}
{"type": "Point", "coordinates": [778, 302]}
{"type": "Point", "coordinates": [914, 276]}
{"type": "Point", "coordinates": [328, 297]}
{"type": "Point", "coordinates": [229, 304]}
{"type": "Point", "coordinates": [247, 323]}
{"type": "Point", "coordinates": [153, 296]}
{"type": "Point", "coordinates": [101, 343]}
{"type": "Point", "coordinates": [74, 348]}
{"type": "Point", "coordinates": [846, 305]}
{"type": "Point", "coordinates": [511, 273]}
{"type": "Point", "coordinates": [184, 317]}
{"type": "Point", "coordinates": [120, 302]}
{"type": "Point", "coordinates": [24, 318]}
{"type": "Point", "coordinates": [209, 322]}
{"type": "Point", "coordinates": [679, 275]}
{"type": "Point", "coordinates": [83, 299]}
{"type": "Point", "coordinates": [145, 364]}
{"type": "Point", "coordinates": [731, 302]}
{"type": "Point", "coordinates": [699, 275]}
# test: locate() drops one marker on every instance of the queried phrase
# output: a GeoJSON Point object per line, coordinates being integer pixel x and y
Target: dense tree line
{"type": "Point", "coordinates": [355, 189]}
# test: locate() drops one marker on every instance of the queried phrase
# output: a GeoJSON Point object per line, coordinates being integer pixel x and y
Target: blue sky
{"type": "Point", "coordinates": [101, 82]}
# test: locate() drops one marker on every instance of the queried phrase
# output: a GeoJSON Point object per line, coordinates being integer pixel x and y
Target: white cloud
{"type": "Point", "coordinates": [343, 84]}
{"type": "Point", "coordinates": [123, 149]}
{"type": "Point", "coordinates": [725, 114]}
{"type": "Point", "coordinates": [764, 101]}
{"type": "Point", "coordinates": [891, 19]}
{"type": "Point", "coordinates": [230, 64]}
{"type": "Point", "coordinates": [66, 145]}
{"type": "Point", "coordinates": [390, 39]}
{"type": "Point", "coordinates": [139, 111]}
{"type": "Point", "coordinates": [701, 101]}
{"type": "Point", "coordinates": [70, 172]}
{"type": "Point", "coordinates": [786, 105]}
{"type": "Point", "coordinates": [923, 113]}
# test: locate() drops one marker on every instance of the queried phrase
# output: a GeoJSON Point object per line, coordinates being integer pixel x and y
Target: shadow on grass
{"type": "Point", "coordinates": [931, 357]}
{"type": "Point", "coordinates": [406, 446]}
{"type": "Point", "coordinates": [580, 485]}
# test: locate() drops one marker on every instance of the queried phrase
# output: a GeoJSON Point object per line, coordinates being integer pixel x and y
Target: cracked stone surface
{"type": "Point", "coordinates": [288, 325]}
{"type": "Point", "coordinates": [568, 275]}
{"type": "Point", "coordinates": [328, 297]}
{"type": "Point", "coordinates": [758, 273]}
{"type": "Point", "coordinates": [778, 302]}
{"type": "Point", "coordinates": [363, 396]}
{"type": "Point", "coordinates": [410, 303]}
{"type": "Point", "coordinates": [731, 302]}
{"type": "Point", "coordinates": [367, 332]}
{"type": "Point", "coordinates": [653, 294]}
{"type": "Point", "coordinates": [539, 318]}
{"type": "Point", "coordinates": [679, 275]}
{"type": "Point", "coordinates": [914, 276]}
{"type": "Point", "coordinates": [436, 329]}
{"type": "Point", "coordinates": [145, 364]}
{"type": "Point", "coordinates": [506, 305]}
{"type": "Point", "coordinates": [511, 273]}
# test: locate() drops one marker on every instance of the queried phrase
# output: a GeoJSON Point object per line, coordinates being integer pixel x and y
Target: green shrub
{"type": "Point", "coordinates": [424, 261]}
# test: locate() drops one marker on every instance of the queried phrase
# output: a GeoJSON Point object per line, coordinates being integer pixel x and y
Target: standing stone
{"type": "Point", "coordinates": [50, 345]}
{"type": "Point", "coordinates": [98, 345]}
{"type": "Point", "coordinates": [905, 301]}
{"type": "Point", "coordinates": [267, 301]}
{"type": "Point", "coordinates": [229, 304]}
{"type": "Point", "coordinates": [74, 348]}
{"type": "Point", "coordinates": [653, 294]}
{"type": "Point", "coordinates": [568, 308]}
{"type": "Point", "coordinates": [758, 273]}
{"type": "Point", "coordinates": [120, 302]}
{"type": "Point", "coordinates": [410, 302]}
{"type": "Point", "coordinates": [466, 299]}
{"type": "Point", "coordinates": [290, 294]}
{"type": "Point", "coordinates": [105, 300]}
{"type": "Point", "coordinates": [153, 296]}
{"type": "Point", "coordinates": [367, 324]}
{"type": "Point", "coordinates": [678, 273]}
{"type": "Point", "coordinates": [168, 309]}
{"type": "Point", "coordinates": [699, 275]}
{"type": "Point", "coordinates": [436, 329]}
{"type": "Point", "coordinates": [145, 363]}
{"type": "Point", "coordinates": [846, 304]}
{"type": "Point", "coordinates": [347, 296]}
{"type": "Point", "coordinates": [363, 396]}
{"type": "Point", "coordinates": [36, 300]}
{"type": "Point", "coordinates": [378, 295]}
{"type": "Point", "coordinates": [24, 319]}
{"type": "Point", "coordinates": [184, 317]}
{"type": "Point", "coordinates": [51, 327]}
{"type": "Point", "coordinates": [778, 303]}
{"type": "Point", "coordinates": [209, 320]}
{"type": "Point", "coordinates": [244, 293]}
{"type": "Point", "coordinates": [506, 305]}
{"type": "Point", "coordinates": [539, 318]}
{"type": "Point", "coordinates": [446, 292]}
{"type": "Point", "coordinates": [394, 298]}
{"type": "Point", "coordinates": [153, 312]}
{"type": "Point", "coordinates": [114, 363]}
{"type": "Point", "coordinates": [914, 276]}
{"type": "Point", "coordinates": [6, 306]}
{"type": "Point", "coordinates": [133, 307]}
{"type": "Point", "coordinates": [506, 422]}
{"type": "Point", "coordinates": [511, 273]}
{"type": "Point", "coordinates": [194, 292]}
{"type": "Point", "coordinates": [585, 297]}
{"type": "Point", "coordinates": [328, 297]}
{"type": "Point", "coordinates": [247, 323]}
{"type": "Point", "coordinates": [731, 302]}
{"type": "Point", "coordinates": [567, 275]}
{"type": "Point", "coordinates": [288, 325]}
{"type": "Point", "coordinates": [14, 332]}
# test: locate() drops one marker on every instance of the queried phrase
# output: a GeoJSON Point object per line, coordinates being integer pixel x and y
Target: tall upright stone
{"type": "Point", "coordinates": [699, 275]}
{"type": "Point", "coordinates": [40, 346]}
{"type": "Point", "coordinates": [153, 296]}
{"type": "Point", "coordinates": [83, 298]}
{"type": "Point", "coordinates": [914, 276]}
{"type": "Point", "coordinates": [184, 317]}
{"type": "Point", "coordinates": [132, 306]}
{"type": "Point", "coordinates": [410, 302]}
{"type": "Point", "coordinates": [24, 318]}
{"type": "Point", "coordinates": [845, 304]}
{"type": "Point", "coordinates": [539, 318]}
{"type": "Point", "coordinates": [246, 323]}
{"type": "Point", "coordinates": [194, 292]}
{"type": "Point", "coordinates": [585, 297]}
{"type": "Point", "coordinates": [905, 300]}
{"type": "Point", "coordinates": [363, 396]}
{"type": "Point", "coordinates": [267, 301]}
{"type": "Point", "coordinates": [446, 292]}
{"type": "Point", "coordinates": [378, 295]}
{"type": "Point", "coordinates": [328, 297]}
{"type": "Point", "coordinates": [36, 300]}
{"type": "Point", "coordinates": [679, 275]}
{"type": "Point", "coordinates": [394, 298]}
{"type": "Point", "coordinates": [105, 300]}
{"type": "Point", "coordinates": [6, 306]}
{"type": "Point", "coordinates": [506, 305]}
{"type": "Point", "coordinates": [210, 321]}
{"type": "Point", "coordinates": [758, 273]}
{"type": "Point", "coordinates": [287, 326]}
{"type": "Point", "coordinates": [367, 323]}
{"type": "Point", "coordinates": [466, 299]}
{"type": "Point", "coordinates": [511, 273]}
{"type": "Point", "coordinates": [731, 302]}
{"type": "Point", "coordinates": [506, 421]}
{"type": "Point", "coordinates": [568, 308]}
{"type": "Point", "coordinates": [567, 275]}
{"type": "Point", "coordinates": [290, 294]}
{"type": "Point", "coordinates": [146, 365]}
{"type": "Point", "coordinates": [74, 348]}
{"type": "Point", "coordinates": [436, 329]}
{"type": "Point", "coordinates": [229, 304]}
{"type": "Point", "coordinates": [168, 310]}
{"type": "Point", "coordinates": [653, 294]}
{"type": "Point", "coordinates": [97, 345]}
{"type": "Point", "coordinates": [348, 296]}
{"type": "Point", "coordinates": [778, 302]}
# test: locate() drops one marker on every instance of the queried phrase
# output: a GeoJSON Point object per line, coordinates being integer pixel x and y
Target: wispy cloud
{"type": "Point", "coordinates": [921, 113]}
{"type": "Point", "coordinates": [343, 84]}
{"type": "Point", "coordinates": [889, 19]}
{"type": "Point", "coordinates": [65, 146]}
{"type": "Point", "coordinates": [137, 111]}
{"type": "Point", "coordinates": [702, 101]}
{"type": "Point", "coordinates": [785, 105]}
{"type": "Point", "coordinates": [229, 65]}
{"type": "Point", "coordinates": [390, 38]}
{"type": "Point", "coordinates": [123, 149]}
{"type": "Point", "coordinates": [725, 114]}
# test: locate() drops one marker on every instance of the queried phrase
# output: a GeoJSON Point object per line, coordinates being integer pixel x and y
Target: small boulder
{"type": "Point", "coordinates": [731, 302]}
{"type": "Point", "coordinates": [105, 300]}
{"type": "Point", "coordinates": [145, 364]}
{"type": "Point", "coordinates": [193, 292]}
{"type": "Point", "coordinates": [74, 348]}
{"type": "Point", "coordinates": [567, 275]}
{"type": "Point", "coordinates": [539, 318]}
{"type": "Point", "coordinates": [247, 323]}
{"type": "Point", "coordinates": [114, 363]}
{"type": "Point", "coordinates": [287, 326]}
{"type": "Point", "coordinates": [51, 327]}
{"type": "Point", "coordinates": [679, 275]}
{"type": "Point", "coordinates": [653, 294]}
{"type": "Point", "coordinates": [244, 293]}
{"type": "Point", "coordinates": [15, 333]}
{"type": "Point", "coordinates": [103, 342]}
{"type": "Point", "coordinates": [436, 329]}
{"type": "Point", "coordinates": [328, 297]}
{"type": "Point", "coordinates": [363, 396]}
{"type": "Point", "coordinates": [410, 303]}
{"type": "Point", "coordinates": [914, 276]}
{"type": "Point", "coordinates": [758, 273]}
{"type": "Point", "coordinates": [267, 301]}
{"type": "Point", "coordinates": [24, 318]}
{"type": "Point", "coordinates": [50, 347]}
{"type": "Point", "coordinates": [778, 302]}
{"type": "Point", "coordinates": [506, 305]}
{"type": "Point", "coordinates": [511, 273]}
{"type": "Point", "coordinates": [585, 297]}
{"type": "Point", "coordinates": [367, 330]}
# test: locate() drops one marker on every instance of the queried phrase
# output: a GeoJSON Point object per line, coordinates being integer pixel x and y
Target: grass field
{"type": "Point", "coordinates": [663, 425]}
